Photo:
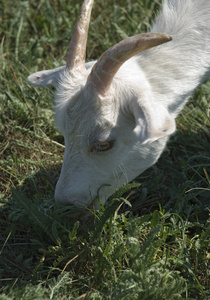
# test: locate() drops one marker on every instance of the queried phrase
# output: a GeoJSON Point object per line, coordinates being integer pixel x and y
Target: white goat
{"type": "Point", "coordinates": [116, 114]}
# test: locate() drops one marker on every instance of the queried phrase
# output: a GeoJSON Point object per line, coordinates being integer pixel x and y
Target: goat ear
{"type": "Point", "coordinates": [153, 121]}
{"type": "Point", "coordinates": [45, 78]}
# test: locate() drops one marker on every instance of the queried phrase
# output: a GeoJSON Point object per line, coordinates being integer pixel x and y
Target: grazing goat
{"type": "Point", "coordinates": [117, 113]}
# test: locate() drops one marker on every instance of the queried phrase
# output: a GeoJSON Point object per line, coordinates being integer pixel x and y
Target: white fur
{"type": "Point", "coordinates": [147, 94]}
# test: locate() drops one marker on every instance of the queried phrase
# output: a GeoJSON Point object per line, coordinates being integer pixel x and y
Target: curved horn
{"type": "Point", "coordinates": [111, 60]}
{"type": "Point", "coordinates": [77, 47]}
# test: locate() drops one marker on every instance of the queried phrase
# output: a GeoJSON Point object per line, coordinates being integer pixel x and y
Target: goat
{"type": "Point", "coordinates": [116, 114]}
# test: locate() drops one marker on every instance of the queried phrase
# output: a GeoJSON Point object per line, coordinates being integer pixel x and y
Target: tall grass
{"type": "Point", "coordinates": [151, 241]}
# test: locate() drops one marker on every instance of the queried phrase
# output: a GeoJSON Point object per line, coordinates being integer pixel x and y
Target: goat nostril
{"type": "Point", "coordinates": [69, 204]}
{"type": "Point", "coordinates": [65, 203]}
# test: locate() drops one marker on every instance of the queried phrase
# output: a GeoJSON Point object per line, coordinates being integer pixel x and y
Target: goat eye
{"type": "Point", "coordinates": [102, 146]}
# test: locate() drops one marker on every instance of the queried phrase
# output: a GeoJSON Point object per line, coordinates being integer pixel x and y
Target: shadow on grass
{"type": "Point", "coordinates": [40, 238]}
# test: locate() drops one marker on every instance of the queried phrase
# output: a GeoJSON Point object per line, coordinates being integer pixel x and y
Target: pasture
{"type": "Point", "coordinates": [151, 240]}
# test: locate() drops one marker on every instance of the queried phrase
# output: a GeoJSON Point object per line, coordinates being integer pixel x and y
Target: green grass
{"type": "Point", "coordinates": [152, 239]}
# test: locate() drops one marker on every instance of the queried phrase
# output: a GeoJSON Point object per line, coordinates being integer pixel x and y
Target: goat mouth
{"type": "Point", "coordinates": [86, 211]}
{"type": "Point", "coordinates": [89, 210]}
{"type": "Point", "coordinates": [94, 204]}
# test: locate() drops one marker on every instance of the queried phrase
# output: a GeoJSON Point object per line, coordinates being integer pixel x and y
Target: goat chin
{"type": "Point", "coordinates": [117, 113]}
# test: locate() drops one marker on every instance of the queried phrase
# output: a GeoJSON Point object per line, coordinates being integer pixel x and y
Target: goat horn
{"type": "Point", "coordinates": [77, 47]}
{"type": "Point", "coordinates": [111, 60]}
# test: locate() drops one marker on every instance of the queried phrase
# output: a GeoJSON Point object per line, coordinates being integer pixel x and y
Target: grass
{"type": "Point", "coordinates": [151, 241]}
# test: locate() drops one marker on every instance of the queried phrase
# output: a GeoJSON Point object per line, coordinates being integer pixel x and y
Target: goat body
{"type": "Point", "coordinates": [117, 114]}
